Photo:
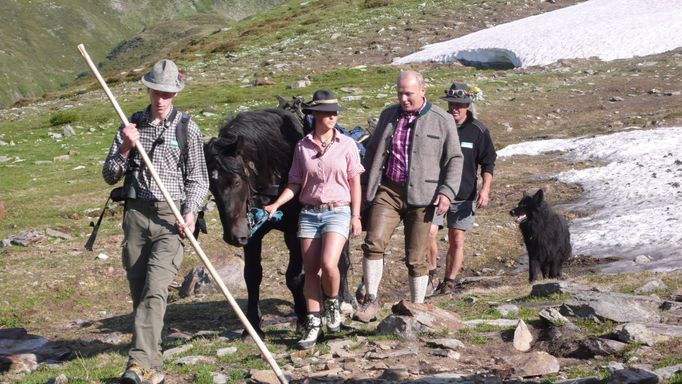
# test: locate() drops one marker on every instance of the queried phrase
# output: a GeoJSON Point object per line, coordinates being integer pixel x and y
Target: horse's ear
{"type": "Point", "coordinates": [281, 102]}
{"type": "Point", "coordinates": [225, 145]}
{"type": "Point", "coordinates": [239, 145]}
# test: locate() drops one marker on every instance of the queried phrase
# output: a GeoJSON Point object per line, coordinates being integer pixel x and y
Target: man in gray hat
{"type": "Point", "coordinates": [478, 150]}
{"type": "Point", "coordinates": [152, 244]}
{"type": "Point", "coordinates": [414, 165]}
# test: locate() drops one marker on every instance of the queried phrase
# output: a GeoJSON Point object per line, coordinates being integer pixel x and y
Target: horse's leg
{"type": "Point", "coordinates": [345, 294]}
{"type": "Point", "coordinates": [294, 275]}
{"type": "Point", "coordinates": [253, 275]}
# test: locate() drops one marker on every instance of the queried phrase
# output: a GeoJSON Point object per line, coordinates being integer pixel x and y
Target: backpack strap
{"type": "Point", "coordinates": [181, 137]}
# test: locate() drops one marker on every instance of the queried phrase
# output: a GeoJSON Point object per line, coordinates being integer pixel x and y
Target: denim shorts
{"type": "Point", "coordinates": [313, 223]}
{"type": "Point", "coordinates": [460, 215]}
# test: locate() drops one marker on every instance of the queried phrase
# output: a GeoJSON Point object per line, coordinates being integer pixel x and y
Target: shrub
{"type": "Point", "coordinates": [63, 117]}
{"type": "Point", "coordinates": [376, 3]}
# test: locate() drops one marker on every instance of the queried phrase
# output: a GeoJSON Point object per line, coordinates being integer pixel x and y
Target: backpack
{"type": "Point", "coordinates": [124, 192]}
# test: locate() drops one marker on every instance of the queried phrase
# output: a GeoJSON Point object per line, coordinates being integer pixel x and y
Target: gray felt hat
{"type": "Point", "coordinates": [164, 77]}
{"type": "Point", "coordinates": [458, 93]}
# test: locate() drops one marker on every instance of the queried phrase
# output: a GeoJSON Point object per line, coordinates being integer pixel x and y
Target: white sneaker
{"type": "Point", "coordinates": [332, 314]}
{"type": "Point", "coordinates": [313, 332]}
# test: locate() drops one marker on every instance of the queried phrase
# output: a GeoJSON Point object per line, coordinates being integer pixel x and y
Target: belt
{"type": "Point", "coordinates": [392, 184]}
{"type": "Point", "coordinates": [139, 203]}
{"type": "Point", "coordinates": [327, 206]}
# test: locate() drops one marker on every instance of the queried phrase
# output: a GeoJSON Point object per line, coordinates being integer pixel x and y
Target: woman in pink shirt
{"type": "Point", "coordinates": [325, 174]}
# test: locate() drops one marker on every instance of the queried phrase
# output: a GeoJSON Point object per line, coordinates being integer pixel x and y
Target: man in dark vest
{"type": "Point", "coordinates": [479, 151]}
{"type": "Point", "coordinates": [152, 244]}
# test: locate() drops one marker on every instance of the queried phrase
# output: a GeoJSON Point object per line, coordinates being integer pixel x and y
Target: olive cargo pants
{"type": "Point", "coordinates": [152, 254]}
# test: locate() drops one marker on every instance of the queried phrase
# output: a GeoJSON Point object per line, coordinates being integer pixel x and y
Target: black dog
{"type": "Point", "coordinates": [545, 234]}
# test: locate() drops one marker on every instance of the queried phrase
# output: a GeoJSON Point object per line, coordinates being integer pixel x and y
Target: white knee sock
{"type": "Point", "coordinates": [372, 270]}
{"type": "Point", "coordinates": [418, 288]}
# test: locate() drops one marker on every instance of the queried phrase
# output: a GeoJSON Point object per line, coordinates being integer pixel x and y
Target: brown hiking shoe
{"type": "Point", "coordinates": [135, 374]}
{"type": "Point", "coordinates": [446, 287]}
{"type": "Point", "coordinates": [368, 310]}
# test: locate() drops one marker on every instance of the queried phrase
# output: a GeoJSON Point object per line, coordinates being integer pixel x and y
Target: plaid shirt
{"type": "Point", "coordinates": [396, 168]}
{"type": "Point", "coordinates": [160, 143]}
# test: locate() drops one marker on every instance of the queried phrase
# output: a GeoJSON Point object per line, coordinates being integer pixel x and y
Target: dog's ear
{"type": "Point", "coordinates": [539, 196]}
{"type": "Point", "coordinates": [525, 194]}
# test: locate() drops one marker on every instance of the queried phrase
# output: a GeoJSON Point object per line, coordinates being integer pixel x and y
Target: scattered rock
{"type": "Point", "coordinates": [453, 344]}
{"type": "Point", "coordinates": [522, 337]}
{"type": "Point", "coordinates": [536, 363]}
{"type": "Point", "coordinates": [651, 286]}
{"type": "Point", "coordinates": [226, 351]}
{"type": "Point", "coordinates": [194, 360]}
{"type": "Point", "coordinates": [666, 373]}
{"type": "Point", "coordinates": [506, 323]}
{"type": "Point", "coordinates": [351, 98]}
{"type": "Point", "coordinates": [263, 377]}
{"type": "Point", "coordinates": [68, 131]}
{"type": "Point", "coordinates": [219, 378]}
{"type": "Point", "coordinates": [557, 287]}
{"type": "Point", "coordinates": [633, 376]}
{"type": "Point", "coordinates": [299, 84]}
{"type": "Point", "coordinates": [429, 315]}
{"type": "Point", "coordinates": [554, 317]}
{"type": "Point", "coordinates": [617, 307]}
{"type": "Point", "coordinates": [58, 234]}
{"type": "Point", "coordinates": [61, 379]}
{"type": "Point", "coordinates": [199, 280]}
{"type": "Point", "coordinates": [177, 350]}
{"type": "Point", "coordinates": [647, 334]}
{"type": "Point", "coordinates": [508, 309]}
{"type": "Point", "coordinates": [61, 158]}
{"type": "Point", "coordinates": [405, 327]}
{"type": "Point", "coordinates": [643, 259]}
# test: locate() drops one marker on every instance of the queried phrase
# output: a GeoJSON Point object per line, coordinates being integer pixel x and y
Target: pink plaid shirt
{"type": "Point", "coordinates": [325, 173]}
{"type": "Point", "coordinates": [396, 168]}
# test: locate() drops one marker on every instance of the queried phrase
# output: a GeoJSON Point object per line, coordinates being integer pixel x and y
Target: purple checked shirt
{"type": "Point", "coordinates": [396, 168]}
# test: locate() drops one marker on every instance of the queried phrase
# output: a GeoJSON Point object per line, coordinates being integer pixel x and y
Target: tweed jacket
{"type": "Point", "coordinates": [434, 155]}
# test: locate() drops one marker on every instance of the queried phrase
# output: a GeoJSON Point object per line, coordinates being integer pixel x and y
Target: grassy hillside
{"type": "Point", "coordinates": [39, 37]}
{"type": "Point", "coordinates": [59, 291]}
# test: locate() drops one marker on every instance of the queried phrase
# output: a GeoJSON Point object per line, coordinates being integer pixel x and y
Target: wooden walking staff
{"type": "Point", "coordinates": [188, 234]}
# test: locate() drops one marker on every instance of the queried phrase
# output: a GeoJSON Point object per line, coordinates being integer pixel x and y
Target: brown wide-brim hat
{"type": "Point", "coordinates": [458, 93]}
{"type": "Point", "coordinates": [323, 101]}
{"type": "Point", "coordinates": [164, 77]}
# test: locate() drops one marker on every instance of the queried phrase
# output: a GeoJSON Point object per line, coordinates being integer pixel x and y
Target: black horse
{"type": "Point", "coordinates": [248, 165]}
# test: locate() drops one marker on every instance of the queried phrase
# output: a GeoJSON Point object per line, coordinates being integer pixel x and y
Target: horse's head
{"type": "Point", "coordinates": [230, 185]}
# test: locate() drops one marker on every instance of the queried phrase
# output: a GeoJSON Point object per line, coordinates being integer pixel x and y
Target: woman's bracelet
{"type": "Point", "coordinates": [355, 217]}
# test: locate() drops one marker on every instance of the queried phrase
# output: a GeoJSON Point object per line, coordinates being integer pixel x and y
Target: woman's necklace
{"type": "Point", "coordinates": [325, 143]}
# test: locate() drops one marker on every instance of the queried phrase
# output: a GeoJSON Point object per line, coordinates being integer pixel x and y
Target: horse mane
{"type": "Point", "coordinates": [268, 139]}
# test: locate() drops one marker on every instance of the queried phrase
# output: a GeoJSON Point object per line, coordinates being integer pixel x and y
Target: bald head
{"type": "Point", "coordinates": [411, 75]}
{"type": "Point", "coordinates": [411, 90]}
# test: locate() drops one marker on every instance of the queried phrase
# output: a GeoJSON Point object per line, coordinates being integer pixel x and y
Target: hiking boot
{"type": "Point", "coordinates": [446, 287]}
{"type": "Point", "coordinates": [368, 310]}
{"type": "Point", "coordinates": [135, 374]}
{"type": "Point", "coordinates": [332, 314]}
{"type": "Point", "coordinates": [313, 332]}
{"type": "Point", "coordinates": [431, 286]}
